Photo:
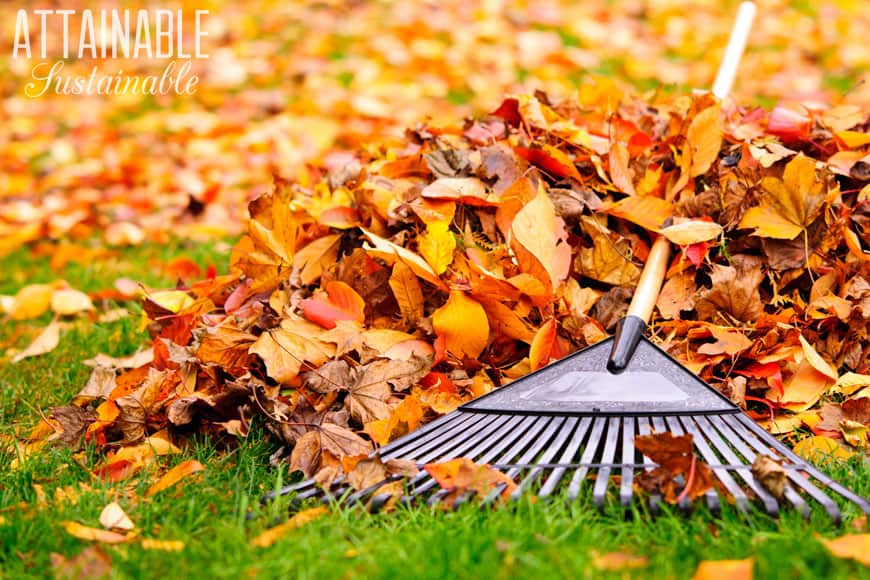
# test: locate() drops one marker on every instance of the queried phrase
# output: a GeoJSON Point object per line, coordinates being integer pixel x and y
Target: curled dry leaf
{"type": "Point", "coordinates": [462, 475]}
{"type": "Point", "coordinates": [113, 517]}
{"type": "Point", "coordinates": [92, 562]}
{"type": "Point", "coordinates": [770, 474]}
{"type": "Point", "coordinates": [675, 456]}
{"type": "Point", "coordinates": [46, 341]}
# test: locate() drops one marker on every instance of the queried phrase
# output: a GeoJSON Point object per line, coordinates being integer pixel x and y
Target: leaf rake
{"type": "Point", "coordinates": [572, 425]}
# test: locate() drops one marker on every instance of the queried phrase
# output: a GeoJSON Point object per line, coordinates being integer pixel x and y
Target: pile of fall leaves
{"type": "Point", "coordinates": [387, 290]}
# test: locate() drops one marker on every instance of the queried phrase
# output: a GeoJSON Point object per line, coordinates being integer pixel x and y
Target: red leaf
{"type": "Point", "coordinates": [789, 122]}
{"type": "Point", "coordinates": [696, 253]}
{"type": "Point", "coordinates": [769, 371]}
{"type": "Point", "coordinates": [509, 110]}
{"type": "Point", "coordinates": [546, 162]}
{"type": "Point", "coordinates": [340, 302]}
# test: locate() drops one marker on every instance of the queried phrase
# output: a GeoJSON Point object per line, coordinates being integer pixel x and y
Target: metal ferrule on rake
{"type": "Point", "coordinates": [571, 426]}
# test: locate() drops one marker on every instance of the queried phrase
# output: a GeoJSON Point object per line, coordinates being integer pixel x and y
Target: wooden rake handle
{"type": "Point", "coordinates": [631, 328]}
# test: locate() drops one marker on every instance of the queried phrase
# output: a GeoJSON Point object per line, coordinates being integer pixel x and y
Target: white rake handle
{"type": "Point", "coordinates": [736, 44]}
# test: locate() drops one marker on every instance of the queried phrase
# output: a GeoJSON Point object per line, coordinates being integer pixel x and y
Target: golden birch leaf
{"type": "Point", "coordinates": [463, 323]}
{"type": "Point", "coordinates": [83, 532]}
{"type": "Point", "coordinates": [646, 211]}
{"type": "Point", "coordinates": [705, 139]}
{"type": "Point", "coordinates": [407, 291]}
{"type": "Point", "coordinates": [815, 359]}
{"type": "Point", "coordinates": [788, 205]}
{"type": "Point", "coordinates": [436, 246]}
{"type": "Point", "coordinates": [30, 302]}
{"type": "Point", "coordinates": [607, 260]}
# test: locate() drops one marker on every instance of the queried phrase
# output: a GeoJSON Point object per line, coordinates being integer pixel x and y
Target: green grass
{"type": "Point", "coordinates": [208, 511]}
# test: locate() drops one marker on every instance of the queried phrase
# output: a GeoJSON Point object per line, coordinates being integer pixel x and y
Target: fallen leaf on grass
{"type": "Point", "coordinates": [174, 475]}
{"type": "Point", "coordinates": [68, 301]}
{"type": "Point", "coordinates": [93, 534]}
{"type": "Point", "coordinates": [820, 448]}
{"type": "Point", "coordinates": [724, 570]}
{"type": "Point", "coordinates": [853, 546]}
{"type": "Point", "coordinates": [45, 342]}
{"type": "Point", "coordinates": [92, 562]}
{"type": "Point", "coordinates": [616, 561]}
{"type": "Point", "coordinates": [164, 545]}
{"type": "Point", "coordinates": [302, 518]}
{"type": "Point", "coordinates": [113, 517]}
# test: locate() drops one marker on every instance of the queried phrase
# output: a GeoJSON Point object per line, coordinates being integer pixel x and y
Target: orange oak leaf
{"type": "Point", "coordinates": [463, 323]}
{"type": "Point", "coordinates": [339, 302]}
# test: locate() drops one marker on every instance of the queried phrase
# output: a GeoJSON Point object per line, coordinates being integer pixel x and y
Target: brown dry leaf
{"type": "Point", "coordinates": [675, 456]}
{"type": "Point", "coordinates": [853, 547]}
{"type": "Point", "coordinates": [285, 349]}
{"type": "Point", "coordinates": [328, 438]}
{"type": "Point", "coordinates": [724, 570]}
{"type": "Point", "coordinates": [92, 562]}
{"type": "Point", "coordinates": [770, 474]}
{"type": "Point", "coordinates": [620, 174]}
{"type": "Point", "coordinates": [607, 260]}
{"type": "Point", "coordinates": [728, 341]}
{"type": "Point", "coordinates": [789, 205]}
{"type": "Point", "coordinates": [407, 291]}
{"type": "Point", "coordinates": [93, 534]}
{"type": "Point", "coordinates": [45, 342]}
{"type": "Point", "coordinates": [175, 475]}
{"type": "Point", "coordinates": [113, 517]}
{"type": "Point", "coordinates": [677, 295]}
{"type": "Point", "coordinates": [704, 137]}
{"type": "Point", "coordinates": [375, 383]}
{"type": "Point", "coordinates": [67, 301]}
{"type": "Point", "coordinates": [463, 323]}
{"type": "Point", "coordinates": [735, 291]}
{"type": "Point", "coordinates": [272, 535]}
{"type": "Point", "coordinates": [617, 561]}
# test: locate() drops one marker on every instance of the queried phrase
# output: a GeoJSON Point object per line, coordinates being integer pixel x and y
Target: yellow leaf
{"type": "Point", "coordinates": [172, 300]}
{"type": "Point", "coordinates": [93, 534]}
{"type": "Point", "coordinates": [854, 547]}
{"type": "Point", "coordinates": [30, 302]}
{"type": "Point", "coordinates": [705, 139]}
{"type": "Point", "coordinates": [646, 211]}
{"type": "Point", "coordinates": [854, 139]}
{"type": "Point", "coordinates": [851, 383]}
{"type": "Point", "coordinates": [272, 535]}
{"type": "Point", "coordinates": [463, 323]}
{"type": "Point", "coordinates": [69, 301]}
{"type": "Point", "coordinates": [436, 246]}
{"type": "Point", "coordinates": [724, 570]}
{"type": "Point", "coordinates": [46, 341]}
{"type": "Point", "coordinates": [174, 475]}
{"type": "Point", "coordinates": [616, 561]}
{"type": "Point", "coordinates": [164, 545]}
{"type": "Point", "coordinates": [406, 288]}
{"type": "Point", "coordinates": [820, 448]}
{"type": "Point", "coordinates": [390, 252]}
{"type": "Point", "coordinates": [692, 232]}
{"type": "Point", "coordinates": [816, 360]}
{"type": "Point", "coordinates": [789, 205]}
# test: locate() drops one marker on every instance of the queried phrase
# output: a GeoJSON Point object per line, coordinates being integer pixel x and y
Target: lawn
{"type": "Point", "coordinates": [216, 513]}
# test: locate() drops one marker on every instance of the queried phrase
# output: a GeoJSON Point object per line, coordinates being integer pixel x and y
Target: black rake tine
{"type": "Point", "coordinates": [577, 438]}
{"type": "Point", "coordinates": [731, 486]}
{"type": "Point", "coordinates": [862, 503]}
{"type": "Point", "coordinates": [644, 428]}
{"type": "Point", "coordinates": [599, 490]}
{"type": "Point", "coordinates": [435, 439]}
{"type": "Point", "coordinates": [677, 429]}
{"type": "Point", "coordinates": [771, 506]}
{"type": "Point", "coordinates": [587, 457]}
{"type": "Point", "coordinates": [628, 458]}
{"type": "Point", "coordinates": [557, 444]}
{"type": "Point", "coordinates": [796, 500]}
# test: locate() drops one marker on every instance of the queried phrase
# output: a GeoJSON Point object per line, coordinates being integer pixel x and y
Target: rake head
{"type": "Point", "coordinates": [555, 433]}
